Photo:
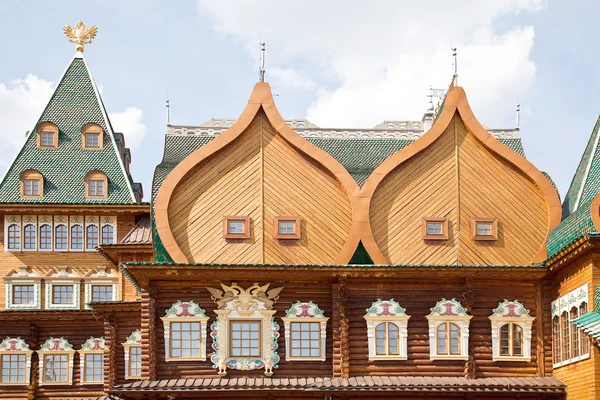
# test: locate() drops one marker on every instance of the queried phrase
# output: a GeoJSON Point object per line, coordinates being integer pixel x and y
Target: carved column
{"type": "Point", "coordinates": [148, 331]}
{"type": "Point", "coordinates": [110, 352]}
{"type": "Point", "coordinates": [34, 379]}
{"type": "Point", "coordinates": [468, 300]}
{"type": "Point", "coordinates": [340, 319]}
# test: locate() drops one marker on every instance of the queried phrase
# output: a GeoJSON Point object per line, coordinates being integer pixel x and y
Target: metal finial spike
{"type": "Point", "coordinates": [518, 115]}
{"type": "Point", "coordinates": [168, 113]}
{"type": "Point", "coordinates": [455, 62]}
{"type": "Point", "coordinates": [80, 35]}
{"type": "Point", "coordinates": [262, 61]}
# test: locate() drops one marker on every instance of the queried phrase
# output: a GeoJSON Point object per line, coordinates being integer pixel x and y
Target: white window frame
{"type": "Point", "coordinates": [382, 311]}
{"type": "Point", "coordinates": [10, 220]}
{"type": "Point", "coordinates": [134, 340]}
{"type": "Point", "coordinates": [61, 220]}
{"type": "Point", "coordinates": [94, 345]}
{"type": "Point", "coordinates": [108, 221]}
{"type": "Point", "coordinates": [511, 312]}
{"type": "Point", "coordinates": [62, 276]}
{"type": "Point", "coordinates": [100, 277]}
{"type": "Point", "coordinates": [574, 298]}
{"type": "Point", "coordinates": [305, 312]}
{"type": "Point", "coordinates": [16, 346]}
{"type": "Point", "coordinates": [56, 346]}
{"type": "Point", "coordinates": [29, 220]}
{"type": "Point", "coordinates": [76, 220]}
{"type": "Point", "coordinates": [89, 221]}
{"type": "Point", "coordinates": [254, 303]}
{"type": "Point", "coordinates": [186, 311]}
{"type": "Point", "coordinates": [45, 220]}
{"type": "Point", "coordinates": [23, 277]}
{"type": "Point", "coordinates": [449, 311]}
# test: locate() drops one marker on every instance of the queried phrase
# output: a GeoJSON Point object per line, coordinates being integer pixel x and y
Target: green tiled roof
{"type": "Point", "coordinates": [571, 229]}
{"type": "Point", "coordinates": [589, 324]}
{"type": "Point", "coordinates": [75, 103]}
{"type": "Point", "coordinates": [586, 182]}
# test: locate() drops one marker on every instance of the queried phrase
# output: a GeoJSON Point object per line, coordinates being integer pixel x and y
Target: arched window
{"type": "Point", "coordinates": [573, 314]}
{"type": "Point", "coordinates": [448, 339]}
{"type": "Point", "coordinates": [91, 361]}
{"type": "Point", "coordinates": [511, 332]}
{"type": "Point", "coordinates": [29, 237]}
{"type": "Point", "coordinates": [565, 340]}
{"type": "Point", "coordinates": [15, 362]}
{"type": "Point", "coordinates": [76, 237]}
{"type": "Point", "coordinates": [47, 135]}
{"type": "Point", "coordinates": [92, 137]}
{"type": "Point", "coordinates": [96, 185]}
{"type": "Point", "coordinates": [556, 338]}
{"type": "Point", "coordinates": [107, 234]}
{"type": "Point", "coordinates": [61, 237]}
{"type": "Point", "coordinates": [32, 184]}
{"type": "Point", "coordinates": [511, 340]}
{"type": "Point", "coordinates": [305, 332]}
{"type": "Point", "coordinates": [584, 341]}
{"type": "Point", "coordinates": [14, 237]}
{"type": "Point", "coordinates": [133, 355]}
{"type": "Point", "coordinates": [45, 237]}
{"type": "Point", "coordinates": [91, 237]}
{"type": "Point", "coordinates": [56, 362]}
{"type": "Point", "coordinates": [387, 339]}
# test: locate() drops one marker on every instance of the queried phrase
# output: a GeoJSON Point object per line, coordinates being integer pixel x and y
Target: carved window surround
{"type": "Point", "coordinates": [511, 312]}
{"type": "Point", "coordinates": [91, 346]}
{"type": "Point", "coordinates": [23, 277]}
{"type": "Point", "coordinates": [133, 341]}
{"type": "Point", "coordinates": [56, 346]}
{"type": "Point", "coordinates": [254, 303]}
{"type": "Point", "coordinates": [560, 307]}
{"type": "Point", "coordinates": [305, 312]}
{"type": "Point", "coordinates": [17, 346]}
{"type": "Point", "coordinates": [382, 311]}
{"type": "Point", "coordinates": [63, 276]}
{"type": "Point", "coordinates": [449, 311]}
{"type": "Point", "coordinates": [100, 277]}
{"type": "Point", "coordinates": [187, 311]}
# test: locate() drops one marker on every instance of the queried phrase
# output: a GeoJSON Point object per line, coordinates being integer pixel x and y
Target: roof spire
{"type": "Point", "coordinates": [455, 63]}
{"type": "Point", "coordinates": [80, 34]}
{"type": "Point", "coordinates": [167, 107]}
{"type": "Point", "coordinates": [262, 61]}
{"type": "Point", "coordinates": [518, 113]}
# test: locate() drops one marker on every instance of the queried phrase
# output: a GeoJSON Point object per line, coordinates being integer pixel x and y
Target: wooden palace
{"type": "Point", "coordinates": [276, 259]}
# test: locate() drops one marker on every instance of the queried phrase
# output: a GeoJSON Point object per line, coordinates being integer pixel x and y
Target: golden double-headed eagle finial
{"type": "Point", "coordinates": [80, 34]}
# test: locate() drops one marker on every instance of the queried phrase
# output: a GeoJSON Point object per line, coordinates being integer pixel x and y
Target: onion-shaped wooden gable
{"type": "Point", "coordinates": [457, 172]}
{"type": "Point", "coordinates": [259, 168]}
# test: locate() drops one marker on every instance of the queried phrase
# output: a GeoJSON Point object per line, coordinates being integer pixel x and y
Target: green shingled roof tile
{"type": "Point", "coordinates": [73, 105]}
{"type": "Point", "coordinates": [571, 229]}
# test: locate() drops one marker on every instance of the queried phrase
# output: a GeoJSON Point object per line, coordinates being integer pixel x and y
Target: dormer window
{"type": "Point", "coordinates": [92, 137]}
{"type": "Point", "coordinates": [236, 227]}
{"type": "Point", "coordinates": [96, 185]}
{"type": "Point", "coordinates": [32, 184]}
{"type": "Point", "coordinates": [485, 229]}
{"type": "Point", "coordinates": [287, 228]}
{"type": "Point", "coordinates": [47, 135]}
{"type": "Point", "coordinates": [433, 228]}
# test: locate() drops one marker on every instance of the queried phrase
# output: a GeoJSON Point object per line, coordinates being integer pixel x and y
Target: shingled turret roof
{"type": "Point", "coordinates": [75, 103]}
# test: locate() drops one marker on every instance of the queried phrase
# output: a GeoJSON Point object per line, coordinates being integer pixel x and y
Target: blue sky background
{"type": "Point", "coordinates": [335, 62]}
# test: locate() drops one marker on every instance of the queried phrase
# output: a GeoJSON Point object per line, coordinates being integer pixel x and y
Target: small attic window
{"type": "Point", "coordinates": [32, 184]}
{"type": "Point", "coordinates": [47, 135]}
{"type": "Point", "coordinates": [236, 227]}
{"type": "Point", "coordinates": [433, 228]}
{"type": "Point", "coordinates": [485, 229]}
{"type": "Point", "coordinates": [96, 185]}
{"type": "Point", "coordinates": [286, 228]}
{"type": "Point", "coordinates": [92, 137]}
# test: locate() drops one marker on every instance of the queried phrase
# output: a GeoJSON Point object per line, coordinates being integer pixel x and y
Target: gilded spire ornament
{"type": "Point", "coordinates": [80, 34]}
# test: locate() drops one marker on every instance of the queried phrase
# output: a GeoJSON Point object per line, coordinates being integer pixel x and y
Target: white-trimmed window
{"type": "Point", "coordinates": [101, 285]}
{"type": "Point", "coordinates": [15, 362]}
{"type": "Point", "coordinates": [511, 332]}
{"type": "Point", "coordinates": [387, 330]}
{"type": "Point", "coordinates": [76, 237]}
{"type": "Point", "coordinates": [91, 233]}
{"type": "Point", "coordinates": [29, 241]}
{"type": "Point", "coordinates": [569, 343]}
{"type": "Point", "coordinates": [245, 332]}
{"type": "Point", "coordinates": [56, 362]}
{"type": "Point", "coordinates": [185, 332]}
{"type": "Point", "coordinates": [62, 288]}
{"type": "Point", "coordinates": [133, 355]}
{"type": "Point", "coordinates": [108, 231]}
{"type": "Point", "coordinates": [12, 233]}
{"type": "Point", "coordinates": [305, 332]}
{"type": "Point", "coordinates": [22, 289]}
{"type": "Point", "coordinates": [45, 237]}
{"type": "Point", "coordinates": [61, 236]}
{"type": "Point", "coordinates": [448, 331]}
{"type": "Point", "coordinates": [91, 361]}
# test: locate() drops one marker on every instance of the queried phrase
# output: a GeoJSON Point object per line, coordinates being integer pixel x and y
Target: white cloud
{"type": "Point", "coordinates": [375, 61]}
{"type": "Point", "coordinates": [130, 123]}
{"type": "Point", "coordinates": [288, 77]}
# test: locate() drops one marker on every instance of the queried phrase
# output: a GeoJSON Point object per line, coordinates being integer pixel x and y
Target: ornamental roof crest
{"type": "Point", "coordinates": [510, 309]}
{"type": "Point", "coordinates": [448, 308]}
{"type": "Point", "coordinates": [385, 308]}
{"type": "Point", "coordinates": [256, 297]}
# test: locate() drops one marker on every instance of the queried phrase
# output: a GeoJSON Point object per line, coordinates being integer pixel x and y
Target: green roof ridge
{"type": "Point", "coordinates": [74, 103]}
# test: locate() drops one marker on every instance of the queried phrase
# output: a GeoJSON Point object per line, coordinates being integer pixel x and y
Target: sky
{"type": "Point", "coordinates": [338, 63]}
